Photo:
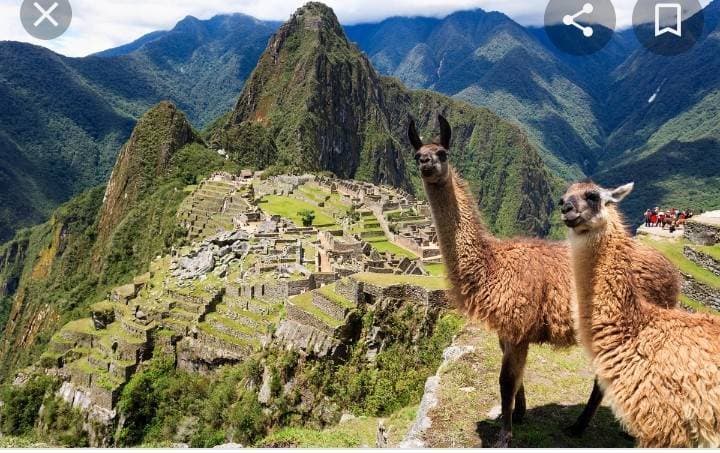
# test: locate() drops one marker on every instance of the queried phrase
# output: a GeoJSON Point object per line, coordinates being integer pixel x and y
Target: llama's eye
{"type": "Point", "coordinates": [592, 196]}
{"type": "Point", "coordinates": [442, 155]}
{"type": "Point", "coordinates": [417, 157]}
{"type": "Point", "coordinates": [561, 202]}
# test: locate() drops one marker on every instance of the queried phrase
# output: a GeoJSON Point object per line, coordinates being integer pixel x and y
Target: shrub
{"type": "Point", "coordinates": [307, 216]}
{"type": "Point", "coordinates": [22, 403]}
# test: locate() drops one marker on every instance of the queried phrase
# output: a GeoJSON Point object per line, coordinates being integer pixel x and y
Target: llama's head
{"type": "Point", "coordinates": [432, 159]}
{"type": "Point", "coordinates": [585, 207]}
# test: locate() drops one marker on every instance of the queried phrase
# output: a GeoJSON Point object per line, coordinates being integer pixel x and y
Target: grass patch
{"type": "Point", "coordinates": [304, 302]}
{"type": "Point", "coordinates": [84, 325]}
{"type": "Point", "coordinates": [712, 250]}
{"type": "Point", "coordinates": [431, 283]}
{"type": "Point", "coordinates": [290, 207]}
{"type": "Point", "coordinates": [674, 252]}
{"type": "Point", "coordinates": [557, 385]}
{"type": "Point", "coordinates": [329, 292]}
{"type": "Point", "coordinates": [697, 306]}
{"type": "Point", "coordinates": [358, 432]}
{"type": "Point", "coordinates": [384, 246]}
{"type": "Point", "coordinates": [435, 269]}
{"type": "Point", "coordinates": [208, 329]}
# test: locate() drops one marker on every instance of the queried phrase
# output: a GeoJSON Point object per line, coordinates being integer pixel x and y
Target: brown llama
{"type": "Point", "coordinates": [659, 368]}
{"type": "Point", "coordinates": [520, 288]}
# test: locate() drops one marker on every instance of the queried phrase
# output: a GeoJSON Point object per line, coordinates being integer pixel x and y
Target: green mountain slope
{"type": "Point", "coordinates": [489, 60]}
{"type": "Point", "coordinates": [314, 103]}
{"type": "Point", "coordinates": [666, 127]}
{"type": "Point", "coordinates": [63, 119]}
{"type": "Point", "coordinates": [51, 273]}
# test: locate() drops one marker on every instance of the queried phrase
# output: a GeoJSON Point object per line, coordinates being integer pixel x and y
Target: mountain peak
{"type": "Point", "coordinates": [145, 157]}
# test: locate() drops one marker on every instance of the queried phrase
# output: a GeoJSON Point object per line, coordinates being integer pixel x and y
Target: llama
{"type": "Point", "coordinates": [520, 288]}
{"type": "Point", "coordinates": [659, 368]}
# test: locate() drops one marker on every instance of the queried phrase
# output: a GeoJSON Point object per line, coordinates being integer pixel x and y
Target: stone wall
{"type": "Point", "coordinates": [702, 260]}
{"type": "Point", "coordinates": [702, 233]}
{"type": "Point", "coordinates": [701, 292]}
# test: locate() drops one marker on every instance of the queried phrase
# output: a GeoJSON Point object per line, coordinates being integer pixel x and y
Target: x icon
{"type": "Point", "coordinates": [45, 14]}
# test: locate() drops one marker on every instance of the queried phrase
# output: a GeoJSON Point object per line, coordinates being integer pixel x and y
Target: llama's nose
{"type": "Point", "coordinates": [567, 207]}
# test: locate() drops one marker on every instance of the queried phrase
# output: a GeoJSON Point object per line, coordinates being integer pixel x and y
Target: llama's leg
{"type": "Point", "coordinates": [518, 413]}
{"type": "Point", "coordinates": [511, 374]}
{"type": "Point", "coordinates": [520, 407]}
{"type": "Point", "coordinates": [596, 397]}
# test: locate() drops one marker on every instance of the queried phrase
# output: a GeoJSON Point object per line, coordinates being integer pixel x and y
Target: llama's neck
{"type": "Point", "coordinates": [460, 230]}
{"type": "Point", "coordinates": [609, 311]}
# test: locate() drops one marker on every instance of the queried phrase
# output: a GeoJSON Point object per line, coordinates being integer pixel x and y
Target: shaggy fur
{"type": "Point", "coordinates": [659, 368]}
{"type": "Point", "coordinates": [520, 288]}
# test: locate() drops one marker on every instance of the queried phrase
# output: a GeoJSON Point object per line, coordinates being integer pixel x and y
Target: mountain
{"type": "Point", "coordinates": [665, 125]}
{"type": "Point", "coordinates": [51, 273]}
{"type": "Point", "coordinates": [144, 159]}
{"type": "Point", "coordinates": [489, 60]}
{"type": "Point", "coordinates": [63, 119]}
{"type": "Point", "coordinates": [315, 103]}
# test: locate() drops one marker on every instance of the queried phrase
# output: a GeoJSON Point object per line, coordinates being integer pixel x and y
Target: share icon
{"type": "Point", "coordinates": [569, 19]}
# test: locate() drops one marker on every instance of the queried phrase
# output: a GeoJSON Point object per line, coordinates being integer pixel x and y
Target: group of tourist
{"type": "Point", "coordinates": [672, 218]}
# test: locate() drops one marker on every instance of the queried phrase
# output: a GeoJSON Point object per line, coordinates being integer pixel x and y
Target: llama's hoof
{"type": "Point", "coordinates": [575, 430]}
{"type": "Point", "coordinates": [504, 440]}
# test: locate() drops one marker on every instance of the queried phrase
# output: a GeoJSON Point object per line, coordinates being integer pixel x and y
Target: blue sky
{"type": "Point", "coordinates": [101, 24]}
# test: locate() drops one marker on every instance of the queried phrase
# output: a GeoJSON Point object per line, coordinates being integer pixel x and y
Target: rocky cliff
{"type": "Point", "coordinates": [160, 133]}
{"type": "Point", "coordinates": [320, 99]}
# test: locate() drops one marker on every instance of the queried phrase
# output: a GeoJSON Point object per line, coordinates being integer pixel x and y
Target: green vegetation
{"type": "Point", "coordinates": [164, 404]}
{"type": "Point", "coordinates": [304, 301]}
{"type": "Point", "coordinates": [58, 270]}
{"type": "Point", "coordinates": [435, 269]}
{"type": "Point", "coordinates": [357, 432]}
{"type": "Point", "coordinates": [711, 250]}
{"type": "Point", "coordinates": [290, 208]}
{"type": "Point", "coordinates": [329, 292]}
{"type": "Point", "coordinates": [431, 283]}
{"type": "Point", "coordinates": [673, 250]}
{"type": "Point", "coordinates": [385, 246]}
{"type": "Point", "coordinates": [22, 403]}
{"type": "Point", "coordinates": [697, 306]}
{"type": "Point", "coordinates": [62, 424]}
{"type": "Point", "coordinates": [307, 216]}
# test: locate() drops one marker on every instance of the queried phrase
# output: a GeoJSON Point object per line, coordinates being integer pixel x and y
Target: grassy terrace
{"type": "Point", "coordinates": [697, 306]}
{"type": "Point", "coordinates": [84, 325]}
{"type": "Point", "coordinates": [430, 283]}
{"type": "Point", "coordinates": [304, 302]}
{"type": "Point", "coordinates": [713, 251]}
{"type": "Point", "coordinates": [289, 207]}
{"type": "Point", "coordinates": [435, 269]}
{"type": "Point", "coordinates": [208, 329]}
{"type": "Point", "coordinates": [329, 292]}
{"type": "Point", "coordinates": [674, 252]}
{"type": "Point", "coordinates": [383, 246]}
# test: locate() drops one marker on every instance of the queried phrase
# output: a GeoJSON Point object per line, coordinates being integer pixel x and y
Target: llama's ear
{"type": "Point", "coordinates": [445, 132]}
{"type": "Point", "coordinates": [413, 136]}
{"type": "Point", "coordinates": [617, 195]}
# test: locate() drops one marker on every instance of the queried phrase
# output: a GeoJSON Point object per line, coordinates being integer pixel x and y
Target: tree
{"type": "Point", "coordinates": [307, 217]}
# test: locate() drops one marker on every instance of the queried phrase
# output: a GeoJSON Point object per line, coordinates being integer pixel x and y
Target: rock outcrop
{"type": "Point", "coordinates": [142, 160]}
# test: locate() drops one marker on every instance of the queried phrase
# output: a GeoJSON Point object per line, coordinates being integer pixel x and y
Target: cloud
{"type": "Point", "coordinates": [102, 24]}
